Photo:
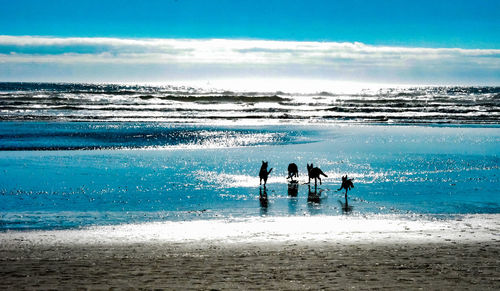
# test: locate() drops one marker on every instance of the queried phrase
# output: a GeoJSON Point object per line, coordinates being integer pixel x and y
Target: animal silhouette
{"type": "Point", "coordinates": [314, 173]}
{"type": "Point", "coordinates": [263, 174]}
{"type": "Point", "coordinates": [293, 171]}
{"type": "Point", "coordinates": [346, 184]}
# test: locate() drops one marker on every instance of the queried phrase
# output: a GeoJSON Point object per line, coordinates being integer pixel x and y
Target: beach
{"type": "Point", "coordinates": [249, 145]}
{"type": "Point", "coordinates": [103, 188]}
{"type": "Point", "coordinates": [257, 266]}
{"type": "Point", "coordinates": [274, 253]}
{"type": "Point", "coordinates": [187, 215]}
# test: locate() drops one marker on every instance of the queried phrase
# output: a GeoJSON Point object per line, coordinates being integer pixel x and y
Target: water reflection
{"type": "Point", "coordinates": [293, 190]}
{"type": "Point", "coordinates": [313, 201]}
{"type": "Point", "coordinates": [346, 208]}
{"type": "Point", "coordinates": [313, 196]}
{"type": "Point", "coordinates": [263, 200]}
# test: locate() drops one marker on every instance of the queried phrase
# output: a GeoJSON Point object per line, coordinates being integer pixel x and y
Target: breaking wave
{"type": "Point", "coordinates": [105, 102]}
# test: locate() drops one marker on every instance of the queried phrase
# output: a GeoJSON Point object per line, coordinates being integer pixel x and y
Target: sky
{"type": "Point", "coordinates": [394, 42]}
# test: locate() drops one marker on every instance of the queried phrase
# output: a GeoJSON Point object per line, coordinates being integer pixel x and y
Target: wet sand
{"type": "Point", "coordinates": [251, 266]}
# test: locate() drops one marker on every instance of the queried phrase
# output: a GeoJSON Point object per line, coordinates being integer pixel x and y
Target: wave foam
{"type": "Point", "coordinates": [335, 229]}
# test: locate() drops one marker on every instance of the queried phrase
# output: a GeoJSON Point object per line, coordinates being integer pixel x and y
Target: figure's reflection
{"type": "Point", "coordinates": [313, 201]}
{"type": "Point", "coordinates": [263, 199]}
{"type": "Point", "coordinates": [313, 196]}
{"type": "Point", "coordinates": [293, 190]}
{"type": "Point", "coordinates": [346, 208]}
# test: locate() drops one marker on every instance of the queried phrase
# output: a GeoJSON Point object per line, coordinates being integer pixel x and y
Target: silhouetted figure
{"type": "Point", "coordinates": [313, 197]}
{"type": "Point", "coordinates": [263, 174]}
{"type": "Point", "coordinates": [346, 184]}
{"type": "Point", "coordinates": [263, 197]}
{"type": "Point", "coordinates": [314, 173]}
{"type": "Point", "coordinates": [293, 171]}
{"type": "Point", "coordinates": [293, 189]}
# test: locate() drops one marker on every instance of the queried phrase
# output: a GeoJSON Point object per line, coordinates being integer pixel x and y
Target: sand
{"type": "Point", "coordinates": [251, 266]}
{"type": "Point", "coordinates": [288, 253]}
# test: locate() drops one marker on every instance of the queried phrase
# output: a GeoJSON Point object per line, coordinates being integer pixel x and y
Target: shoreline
{"type": "Point", "coordinates": [389, 251]}
{"type": "Point", "coordinates": [355, 229]}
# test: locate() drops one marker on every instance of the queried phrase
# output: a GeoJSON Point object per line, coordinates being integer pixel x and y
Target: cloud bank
{"type": "Point", "coordinates": [118, 59]}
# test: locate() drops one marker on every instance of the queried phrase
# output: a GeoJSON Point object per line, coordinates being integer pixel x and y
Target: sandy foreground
{"type": "Point", "coordinates": [253, 266]}
{"type": "Point", "coordinates": [391, 254]}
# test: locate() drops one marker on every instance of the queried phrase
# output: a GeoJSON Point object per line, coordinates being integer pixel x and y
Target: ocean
{"type": "Point", "coordinates": [181, 104]}
{"type": "Point", "coordinates": [88, 155]}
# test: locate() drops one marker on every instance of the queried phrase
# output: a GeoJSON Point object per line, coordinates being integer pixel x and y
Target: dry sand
{"type": "Point", "coordinates": [263, 265]}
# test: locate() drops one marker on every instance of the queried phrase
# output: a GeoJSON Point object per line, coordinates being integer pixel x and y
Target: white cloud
{"type": "Point", "coordinates": [330, 59]}
{"type": "Point", "coordinates": [228, 51]}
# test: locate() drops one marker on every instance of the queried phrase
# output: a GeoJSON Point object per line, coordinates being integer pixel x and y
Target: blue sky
{"type": "Point", "coordinates": [81, 32]}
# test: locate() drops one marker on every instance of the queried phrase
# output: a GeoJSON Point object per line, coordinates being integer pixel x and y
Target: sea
{"type": "Point", "coordinates": [77, 156]}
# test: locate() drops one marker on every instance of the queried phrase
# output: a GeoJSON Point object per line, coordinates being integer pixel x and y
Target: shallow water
{"type": "Point", "coordinates": [53, 177]}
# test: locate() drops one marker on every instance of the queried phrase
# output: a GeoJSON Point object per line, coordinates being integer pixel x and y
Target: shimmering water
{"type": "Point", "coordinates": [74, 155]}
{"type": "Point", "coordinates": [67, 174]}
{"type": "Point", "coordinates": [102, 102]}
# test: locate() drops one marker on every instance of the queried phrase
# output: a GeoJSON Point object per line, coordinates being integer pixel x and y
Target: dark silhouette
{"type": "Point", "coordinates": [293, 189]}
{"type": "Point", "coordinates": [346, 184]}
{"type": "Point", "coordinates": [263, 174]}
{"type": "Point", "coordinates": [293, 171]}
{"type": "Point", "coordinates": [313, 197]}
{"type": "Point", "coordinates": [263, 198]}
{"type": "Point", "coordinates": [314, 173]}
